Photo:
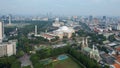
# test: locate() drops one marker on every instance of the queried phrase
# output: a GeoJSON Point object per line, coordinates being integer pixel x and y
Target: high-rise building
{"type": "Point", "coordinates": [90, 18]}
{"type": "Point", "coordinates": [104, 17]}
{"type": "Point", "coordinates": [117, 26]}
{"type": "Point", "coordinates": [9, 19]}
{"type": "Point", "coordinates": [8, 48]}
{"type": "Point", "coordinates": [1, 31]}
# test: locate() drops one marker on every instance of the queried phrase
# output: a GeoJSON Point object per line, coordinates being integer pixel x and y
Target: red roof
{"type": "Point", "coordinates": [116, 65]}
{"type": "Point", "coordinates": [118, 49]}
{"type": "Point", "coordinates": [117, 57]}
{"type": "Point", "coordinates": [47, 36]}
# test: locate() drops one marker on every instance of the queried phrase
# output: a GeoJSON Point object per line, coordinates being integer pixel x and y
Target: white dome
{"type": "Point", "coordinates": [64, 28]}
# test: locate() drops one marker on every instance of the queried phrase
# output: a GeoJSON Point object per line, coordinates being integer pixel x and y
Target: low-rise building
{"type": "Point", "coordinates": [47, 36]}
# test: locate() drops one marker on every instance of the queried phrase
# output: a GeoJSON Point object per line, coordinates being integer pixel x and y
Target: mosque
{"type": "Point", "coordinates": [61, 32]}
{"type": "Point", "coordinates": [64, 31]}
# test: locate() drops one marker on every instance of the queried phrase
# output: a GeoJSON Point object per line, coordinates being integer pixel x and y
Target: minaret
{"type": "Point", "coordinates": [93, 48]}
{"type": "Point", "coordinates": [35, 29]}
{"type": "Point", "coordinates": [83, 43]}
{"type": "Point", "coordinates": [86, 42]}
{"type": "Point", "coordinates": [57, 20]}
{"type": "Point", "coordinates": [45, 31]}
{"type": "Point", "coordinates": [9, 20]}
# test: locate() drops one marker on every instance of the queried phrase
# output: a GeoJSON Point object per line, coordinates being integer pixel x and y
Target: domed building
{"type": "Point", "coordinates": [64, 31]}
{"type": "Point", "coordinates": [64, 28]}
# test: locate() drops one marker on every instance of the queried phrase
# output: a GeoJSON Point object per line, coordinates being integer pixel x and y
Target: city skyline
{"type": "Point", "coordinates": [61, 7]}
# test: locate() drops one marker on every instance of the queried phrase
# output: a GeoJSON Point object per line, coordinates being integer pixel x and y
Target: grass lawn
{"type": "Point", "coordinates": [67, 63]}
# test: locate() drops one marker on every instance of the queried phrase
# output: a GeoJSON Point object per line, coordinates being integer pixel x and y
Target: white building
{"type": "Point", "coordinates": [64, 31]}
{"type": "Point", "coordinates": [2, 50]}
{"type": "Point", "coordinates": [8, 48]}
{"type": "Point", "coordinates": [118, 26]}
{"type": "Point", "coordinates": [1, 31]}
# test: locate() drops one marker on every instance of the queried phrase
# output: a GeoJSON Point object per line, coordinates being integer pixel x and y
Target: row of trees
{"type": "Point", "coordinates": [9, 62]}
{"type": "Point", "coordinates": [85, 60]}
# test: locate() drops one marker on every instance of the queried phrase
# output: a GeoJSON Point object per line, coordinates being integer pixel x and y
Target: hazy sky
{"type": "Point", "coordinates": [61, 7]}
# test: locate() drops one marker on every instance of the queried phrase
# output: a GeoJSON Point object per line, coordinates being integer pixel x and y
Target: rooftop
{"type": "Point", "coordinates": [112, 44]}
{"type": "Point", "coordinates": [118, 49]}
{"type": "Point", "coordinates": [87, 49]}
{"type": "Point", "coordinates": [116, 65]}
{"type": "Point", "coordinates": [47, 36]}
{"type": "Point", "coordinates": [65, 29]}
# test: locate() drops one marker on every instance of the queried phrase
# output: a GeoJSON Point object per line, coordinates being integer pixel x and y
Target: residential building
{"type": "Point", "coordinates": [8, 48]}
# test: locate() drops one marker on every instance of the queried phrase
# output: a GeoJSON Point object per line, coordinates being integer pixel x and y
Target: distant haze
{"type": "Point", "coordinates": [61, 7]}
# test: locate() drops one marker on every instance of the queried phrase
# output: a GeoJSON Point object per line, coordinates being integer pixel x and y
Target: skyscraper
{"type": "Point", "coordinates": [9, 19]}
{"type": "Point", "coordinates": [1, 31]}
{"type": "Point", "coordinates": [104, 18]}
{"type": "Point", "coordinates": [90, 18]}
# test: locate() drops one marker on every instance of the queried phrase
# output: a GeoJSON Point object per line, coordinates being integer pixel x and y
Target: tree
{"type": "Point", "coordinates": [9, 62]}
{"type": "Point", "coordinates": [20, 53]}
{"type": "Point", "coordinates": [39, 65]}
{"type": "Point", "coordinates": [55, 39]}
{"type": "Point", "coordinates": [44, 53]}
{"type": "Point", "coordinates": [111, 38]}
{"type": "Point", "coordinates": [34, 58]}
{"type": "Point", "coordinates": [85, 60]}
{"type": "Point", "coordinates": [16, 64]}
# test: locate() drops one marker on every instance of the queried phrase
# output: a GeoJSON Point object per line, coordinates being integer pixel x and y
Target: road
{"type": "Point", "coordinates": [25, 61]}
